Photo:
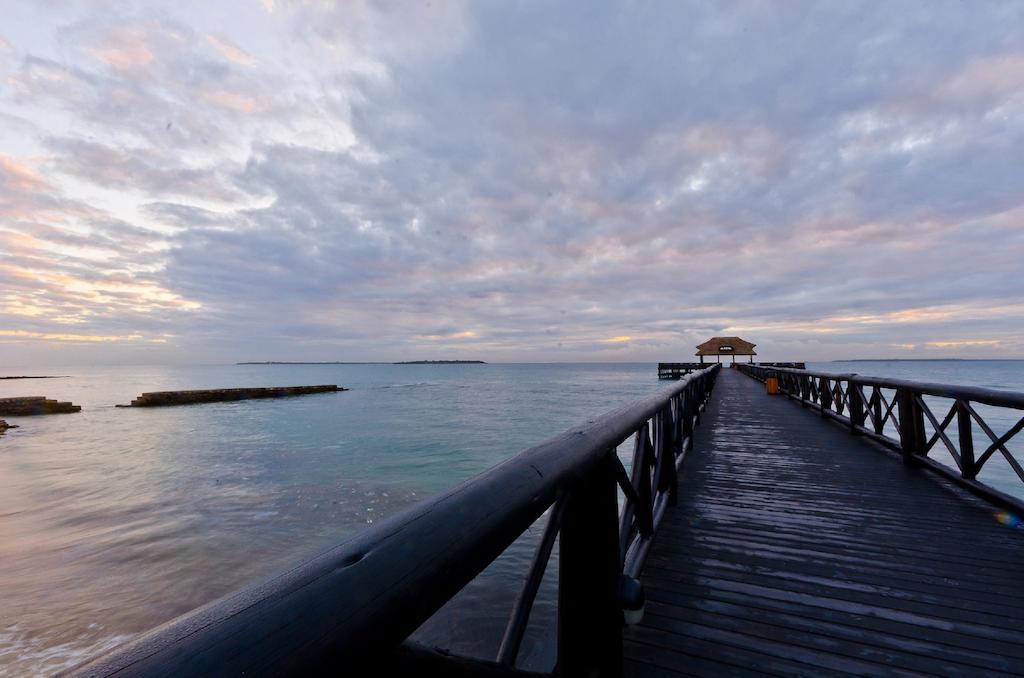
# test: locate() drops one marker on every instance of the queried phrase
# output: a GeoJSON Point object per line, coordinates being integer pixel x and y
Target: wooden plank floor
{"type": "Point", "coordinates": [798, 549]}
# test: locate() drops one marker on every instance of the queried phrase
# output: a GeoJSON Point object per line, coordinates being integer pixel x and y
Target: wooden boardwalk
{"type": "Point", "coordinates": [799, 549]}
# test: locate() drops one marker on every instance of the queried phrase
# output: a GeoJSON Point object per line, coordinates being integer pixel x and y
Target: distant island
{"type": "Point", "coordinates": [441, 362]}
{"type": "Point", "coordinates": [342, 362]}
{"type": "Point", "coordinates": [293, 362]}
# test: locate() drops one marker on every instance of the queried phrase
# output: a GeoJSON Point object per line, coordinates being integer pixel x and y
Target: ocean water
{"type": "Point", "coordinates": [115, 520]}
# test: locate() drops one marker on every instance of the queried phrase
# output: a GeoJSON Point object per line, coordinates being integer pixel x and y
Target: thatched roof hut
{"type": "Point", "coordinates": [719, 346]}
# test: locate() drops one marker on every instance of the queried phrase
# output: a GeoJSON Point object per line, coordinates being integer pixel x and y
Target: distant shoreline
{"type": "Point", "coordinates": [339, 362]}
{"type": "Point", "coordinates": [328, 362]}
{"type": "Point", "coordinates": [926, 360]}
{"type": "Point", "coordinates": [441, 362]}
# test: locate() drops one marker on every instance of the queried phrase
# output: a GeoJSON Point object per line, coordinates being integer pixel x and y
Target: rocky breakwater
{"type": "Point", "coordinates": [216, 395]}
{"type": "Point", "coordinates": [4, 426]}
{"type": "Point", "coordinates": [26, 406]}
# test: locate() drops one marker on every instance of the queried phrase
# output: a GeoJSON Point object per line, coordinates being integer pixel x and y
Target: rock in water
{"type": "Point", "coordinates": [25, 406]}
{"type": "Point", "coordinates": [216, 395]}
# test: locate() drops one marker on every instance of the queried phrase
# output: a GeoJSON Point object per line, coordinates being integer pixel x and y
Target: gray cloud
{"type": "Point", "coordinates": [535, 182]}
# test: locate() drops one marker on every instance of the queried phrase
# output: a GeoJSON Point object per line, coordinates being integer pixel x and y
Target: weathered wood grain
{"type": "Point", "coordinates": [799, 549]}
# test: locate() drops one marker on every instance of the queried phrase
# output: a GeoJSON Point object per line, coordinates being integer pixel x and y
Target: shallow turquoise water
{"type": "Point", "coordinates": [114, 520]}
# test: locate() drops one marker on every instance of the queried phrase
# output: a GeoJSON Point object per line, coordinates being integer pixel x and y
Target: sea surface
{"type": "Point", "coordinates": [113, 521]}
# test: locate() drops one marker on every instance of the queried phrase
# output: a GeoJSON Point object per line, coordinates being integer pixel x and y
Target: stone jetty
{"type": "Point", "coordinates": [26, 406]}
{"type": "Point", "coordinates": [216, 395]}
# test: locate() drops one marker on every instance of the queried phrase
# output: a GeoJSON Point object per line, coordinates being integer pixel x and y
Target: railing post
{"type": "Point", "coordinates": [911, 426]}
{"type": "Point", "coordinates": [824, 395]}
{"type": "Point", "coordinates": [876, 397]}
{"type": "Point", "coordinates": [857, 412]}
{"type": "Point", "coordinates": [589, 616]}
{"type": "Point", "coordinates": [688, 397]}
{"type": "Point", "coordinates": [966, 435]}
{"type": "Point", "coordinates": [667, 476]}
{"type": "Point", "coordinates": [674, 422]}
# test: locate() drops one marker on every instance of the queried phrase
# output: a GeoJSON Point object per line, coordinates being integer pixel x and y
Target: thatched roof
{"type": "Point", "coordinates": [726, 346]}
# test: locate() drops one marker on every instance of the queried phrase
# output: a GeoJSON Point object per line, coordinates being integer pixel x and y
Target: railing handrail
{"type": "Point", "coordinates": [907, 411]}
{"type": "Point", "coordinates": [978, 394]}
{"type": "Point", "coordinates": [372, 591]}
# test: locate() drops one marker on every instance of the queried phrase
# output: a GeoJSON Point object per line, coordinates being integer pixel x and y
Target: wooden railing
{"type": "Point", "coordinates": [353, 606]}
{"type": "Point", "coordinates": [900, 414]}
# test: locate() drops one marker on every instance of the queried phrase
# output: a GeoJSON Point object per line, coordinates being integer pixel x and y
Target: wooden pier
{"type": "Point", "coordinates": [767, 536]}
{"type": "Point", "coordinates": [798, 549]}
{"type": "Point", "coordinates": [677, 370]}
{"type": "Point", "coordinates": [680, 370]}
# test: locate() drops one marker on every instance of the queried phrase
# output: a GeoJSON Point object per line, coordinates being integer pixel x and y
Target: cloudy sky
{"type": "Point", "coordinates": [251, 180]}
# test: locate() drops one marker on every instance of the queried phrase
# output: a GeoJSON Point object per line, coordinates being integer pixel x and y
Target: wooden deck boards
{"type": "Point", "coordinates": [798, 549]}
